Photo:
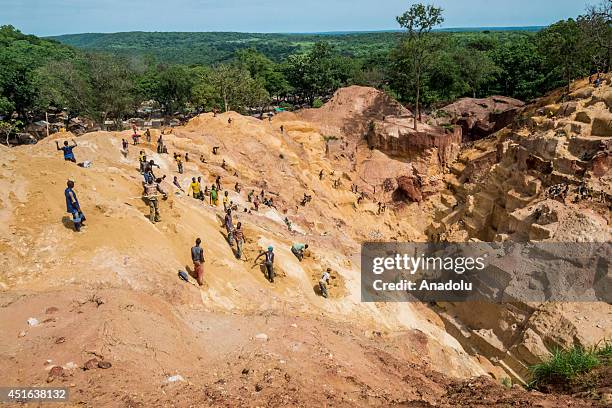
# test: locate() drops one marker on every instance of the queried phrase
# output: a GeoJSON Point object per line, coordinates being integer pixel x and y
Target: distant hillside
{"type": "Point", "coordinates": [210, 48]}
{"type": "Point", "coordinates": [493, 29]}
{"type": "Point", "coordinates": [215, 47]}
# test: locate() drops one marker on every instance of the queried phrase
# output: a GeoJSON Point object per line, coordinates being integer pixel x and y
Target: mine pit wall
{"type": "Point", "coordinates": [411, 144]}
{"type": "Point", "coordinates": [521, 169]}
{"type": "Point", "coordinates": [495, 191]}
{"type": "Point", "coordinates": [518, 335]}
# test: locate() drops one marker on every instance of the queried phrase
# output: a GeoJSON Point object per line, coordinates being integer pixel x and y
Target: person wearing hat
{"type": "Point", "coordinates": [269, 262]}
{"type": "Point", "coordinates": [324, 281]}
{"type": "Point", "coordinates": [73, 207]}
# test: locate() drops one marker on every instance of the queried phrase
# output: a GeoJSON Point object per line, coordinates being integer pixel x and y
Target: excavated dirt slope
{"type": "Point", "coordinates": [111, 292]}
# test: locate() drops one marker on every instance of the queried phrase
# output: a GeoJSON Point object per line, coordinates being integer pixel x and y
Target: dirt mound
{"type": "Point", "coordinates": [350, 110]}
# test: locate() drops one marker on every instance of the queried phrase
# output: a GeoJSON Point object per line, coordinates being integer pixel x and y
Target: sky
{"type": "Point", "coordinates": [54, 17]}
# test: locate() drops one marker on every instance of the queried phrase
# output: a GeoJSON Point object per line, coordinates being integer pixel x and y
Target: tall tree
{"type": "Point", "coordinates": [563, 45]}
{"type": "Point", "coordinates": [264, 70]}
{"type": "Point", "coordinates": [317, 73]}
{"type": "Point", "coordinates": [171, 87]}
{"type": "Point", "coordinates": [20, 56]}
{"type": "Point", "coordinates": [237, 89]}
{"type": "Point", "coordinates": [65, 84]}
{"type": "Point", "coordinates": [477, 69]}
{"type": "Point", "coordinates": [204, 96]}
{"type": "Point", "coordinates": [112, 84]}
{"type": "Point", "coordinates": [523, 72]}
{"type": "Point", "coordinates": [418, 21]}
{"type": "Point", "coordinates": [597, 28]}
{"type": "Point", "coordinates": [98, 86]}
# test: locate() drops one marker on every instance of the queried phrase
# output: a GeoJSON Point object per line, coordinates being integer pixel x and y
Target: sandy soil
{"type": "Point", "coordinates": [111, 292]}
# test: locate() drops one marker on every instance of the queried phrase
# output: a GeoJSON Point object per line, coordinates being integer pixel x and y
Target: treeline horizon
{"type": "Point", "coordinates": [231, 73]}
{"type": "Point", "coordinates": [58, 37]}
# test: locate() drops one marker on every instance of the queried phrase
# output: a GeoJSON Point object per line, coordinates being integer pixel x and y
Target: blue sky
{"type": "Point", "coordinates": [52, 17]}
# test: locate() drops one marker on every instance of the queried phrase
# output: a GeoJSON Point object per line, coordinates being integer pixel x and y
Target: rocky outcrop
{"type": "Point", "coordinates": [562, 153]}
{"type": "Point", "coordinates": [397, 137]}
{"type": "Point", "coordinates": [479, 118]}
{"type": "Point", "coordinates": [408, 188]}
{"type": "Point", "coordinates": [545, 179]}
{"type": "Point", "coordinates": [602, 124]}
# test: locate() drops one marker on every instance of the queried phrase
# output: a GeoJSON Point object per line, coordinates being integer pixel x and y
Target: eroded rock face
{"type": "Point", "coordinates": [408, 188]}
{"type": "Point", "coordinates": [479, 118]}
{"type": "Point", "coordinates": [397, 137]}
{"type": "Point", "coordinates": [602, 162]}
{"type": "Point", "coordinates": [602, 124]}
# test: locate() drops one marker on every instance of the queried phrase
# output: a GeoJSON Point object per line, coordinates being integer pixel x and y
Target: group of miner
{"type": "Point", "coordinates": [153, 192]}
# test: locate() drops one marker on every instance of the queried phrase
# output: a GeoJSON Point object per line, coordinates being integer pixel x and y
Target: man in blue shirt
{"type": "Point", "coordinates": [68, 154]}
{"type": "Point", "coordinates": [73, 207]}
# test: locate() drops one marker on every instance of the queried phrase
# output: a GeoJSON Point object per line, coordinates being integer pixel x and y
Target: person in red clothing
{"type": "Point", "coordinates": [197, 256]}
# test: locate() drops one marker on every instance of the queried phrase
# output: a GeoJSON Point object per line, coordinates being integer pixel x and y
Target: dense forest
{"type": "Point", "coordinates": [210, 48]}
{"type": "Point", "coordinates": [108, 76]}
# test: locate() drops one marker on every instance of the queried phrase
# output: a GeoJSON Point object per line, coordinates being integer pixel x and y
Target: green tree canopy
{"type": "Point", "coordinates": [563, 46]}
{"type": "Point", "coordinates": [237, 89]}
{"type": "Point", "coordinates": [262, 69]}
{"type": "Point", "coordinates": [417, 46]}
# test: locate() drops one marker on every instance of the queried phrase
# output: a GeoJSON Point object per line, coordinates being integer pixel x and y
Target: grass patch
{"type": "Point", "coordinates": [604, 352]}
{"type": "Point", "coordinates": [565, 365]}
